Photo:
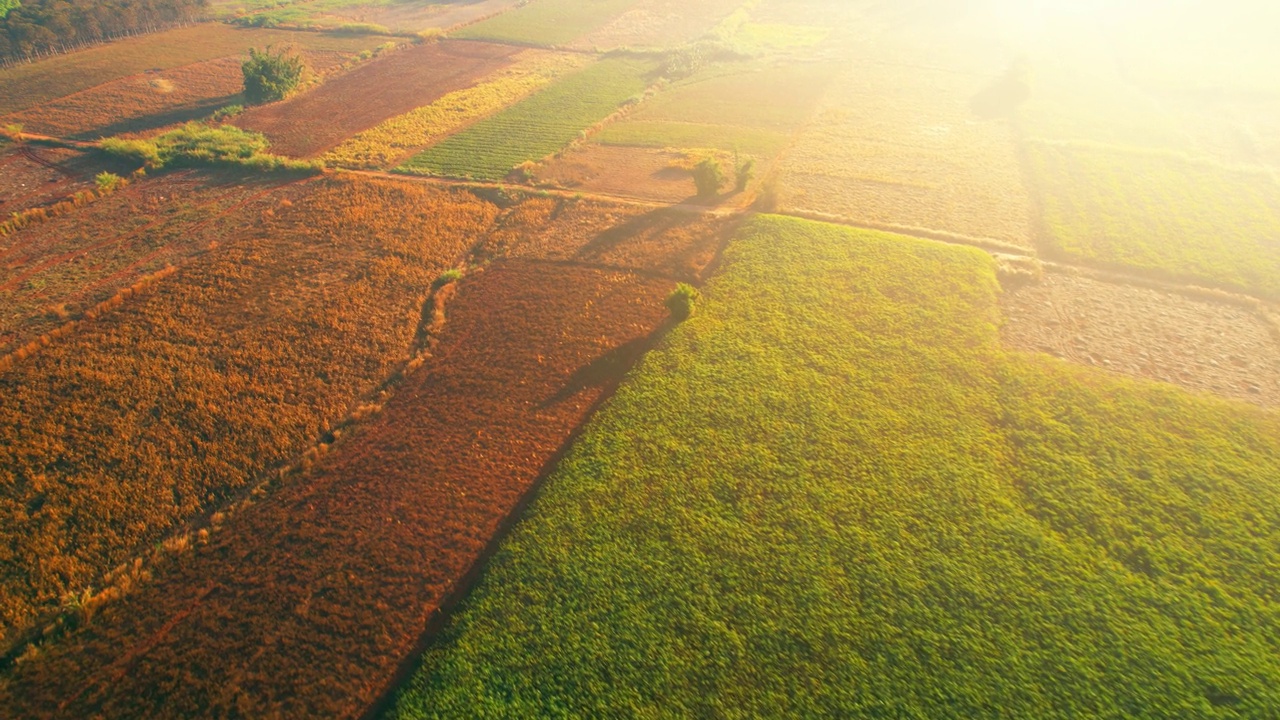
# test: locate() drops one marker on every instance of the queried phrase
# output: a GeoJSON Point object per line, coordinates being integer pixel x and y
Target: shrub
{"type": "Point", "coordinates": [141, 152]}
{"type": "Point", "coordinates": [682, 301]}
{"type": "Point", "coordinates": [708, 176]}
{"type": "Point", "coordinates": [743, 174]}
{"type": "Point", "coordinates": [107, 182]}
{"type": "Point", "coordinates": [198, 144]}
{"type": "Point", "coordinates": [270, 75]}
{"type": "Point", "coordinates": [223, 113]}
{"type": "Point", "coordinates": [446, 277]}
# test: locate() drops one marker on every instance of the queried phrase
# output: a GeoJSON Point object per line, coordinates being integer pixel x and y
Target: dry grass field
{"type": "Point", "coordinates": [658, 24]}
{"type": "Point", "coordinates": [163, 408]}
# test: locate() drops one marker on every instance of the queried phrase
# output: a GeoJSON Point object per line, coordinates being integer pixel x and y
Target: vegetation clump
{"type": "Point", "coordinates": [682, 301]}
{"type": "Point", "coordinates": [708, 176]}
{"type": "Point", "coordinates": [271, 74]}
{"type": "Point", "coordinates": [199, 144]}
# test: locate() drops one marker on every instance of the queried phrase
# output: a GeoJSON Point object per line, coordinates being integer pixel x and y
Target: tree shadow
{"type": "Point", "coordinates": [608, 370]}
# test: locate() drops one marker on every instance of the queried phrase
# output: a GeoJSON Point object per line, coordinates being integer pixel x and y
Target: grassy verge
{"type": "Point", "coordinates": [537, 126]}
{"type": "Point", "coordinates": [547, 22]}
{"type": "Point", "coordinates": [1190, 220]}
{"type": "Point", "coordinates": [831, 494]}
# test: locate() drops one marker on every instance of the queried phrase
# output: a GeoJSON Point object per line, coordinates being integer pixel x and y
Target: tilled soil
{"type": "Point", "coordinates": [642, 173]}
{"type": "Point", "coordinates": [1201, 345]}
{"type": "Point", "coordinates": [306, 603]}
{"type": "Point", "coordinates": [32, 177]}
{"type": "Point", "coordinates": [316, 121]}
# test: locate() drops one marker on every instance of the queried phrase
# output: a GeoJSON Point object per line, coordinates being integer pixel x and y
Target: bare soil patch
{"type": "Point", "coordinates": [624, 171]}
{"type": "Point", "coordinates": [307, 603]}
{"type": "Point", "coordinates": [34, 176]}
{"type": "Point", "coordinates": [1201, 345]}
{"type": "Point", "coordinates": [314, 122]}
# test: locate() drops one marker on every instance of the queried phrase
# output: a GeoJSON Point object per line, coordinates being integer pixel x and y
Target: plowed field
{"type": "Point", "coordinates": [307, 603]}
{"type": "Point", "coordinates": [31, 177]}
{"type": "Point", "coordinates": [318, 120]}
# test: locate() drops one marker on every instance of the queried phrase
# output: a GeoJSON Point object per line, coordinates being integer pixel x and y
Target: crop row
{"type": "Point", "coordinates": [831, 494]}
{"type": "Point", "coordinates": [387, 144]}
{"type": "Point", "coordinates": [161, 409]}
{"type": "Point", "coordinates": [537, 126]}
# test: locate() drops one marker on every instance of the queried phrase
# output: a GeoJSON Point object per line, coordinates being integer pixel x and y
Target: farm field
{"type": "Point", "coordinates": [658, 24]}
{"type": "Point", "coordinates": [25, 86]}
{"type": "Point", "coordinates": [151, 99]}
{"type": "Point", "coordinates": [1192, 220]}
{"type": "Point", "coordinates": [32, 177]}
{"type": "Point", "coordinates": [831, 493]}
{"type": "Point", "coordinates": [547, 23]}
{"type": "Point", "coordinates": [403, 136]}
{"type": "Point", "coordinates": [316, 121]}
{"type": "Point", "coordinates": [57, 272]}
{"type": "Point", "coordinates": [895, 144]}
{"type": "Point", "coordinates": [538, 126]}
{"type": "Point", "coordinates": [395, 16]}
{"type": "Point", "coordinates": [1206, 346]}
{"type": "Point", "coordinates": [165, 407]}
{"type": "Point", "coordinates": [739, 111]}
{"type": "Point", "coordinates": [348, 566]}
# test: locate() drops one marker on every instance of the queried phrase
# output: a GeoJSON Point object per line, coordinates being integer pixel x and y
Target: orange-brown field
{"type": "Point", "coordinates": [151, 99]}
{"type": "Point", "coordinates": [648, 173]}
{"type": "Point", "coordinates": [34, 176]}
{"type": "Point", "coordinates": [164, 407]}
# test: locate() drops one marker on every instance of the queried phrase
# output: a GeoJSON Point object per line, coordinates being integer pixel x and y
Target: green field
{"type": "Point", "coordinates": [537, 126]}
{"type": "Point", "coordinates": [546, 22]}
{"type": "Point", "coordinates": [831, 494]}
{"type": "Point", "coordinates": [748, 107]}
{"type": "Point", "coordinates": [24, 86]}
{"type": "Point", "coordinates": [1159, 211]}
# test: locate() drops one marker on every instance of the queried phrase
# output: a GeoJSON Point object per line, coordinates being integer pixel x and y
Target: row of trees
{"type": "Point", "coordinates": [34, 28]}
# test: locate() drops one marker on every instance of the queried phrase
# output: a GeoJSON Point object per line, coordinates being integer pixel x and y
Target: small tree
{"type": "Point", "coordinates": [742, 175]}
{"type": "Point", "coordinates": [707, 177]}
{"type": "Point", "coordinates": [270, 75]}
{"type": "Point", "coordinates": [107, 182]}
{"type": "Point", "coordinates": [682, 301]}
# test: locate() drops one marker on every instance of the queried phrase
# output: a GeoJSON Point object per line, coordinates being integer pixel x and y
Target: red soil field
{"type": "Point", "coordinates": [307, 603]}
{"type": "Point", "coordinates": [316, 121]}
{"type": "Point", "coordinates": [1201, 345]}
{"type": "Point", "coordinates": [33, 176]}
{"type": "Point", "coordinates": [152, 99]}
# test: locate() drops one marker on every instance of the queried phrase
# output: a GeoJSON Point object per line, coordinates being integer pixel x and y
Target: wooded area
{"type": "Point", "coordinates": [36, 28]}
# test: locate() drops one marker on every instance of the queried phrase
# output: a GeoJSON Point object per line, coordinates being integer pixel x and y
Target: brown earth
{"type": "Point", "coordinates": [1199, 344]}
{"type": "Point", "coordinates": [316, 121]}
{"type": "Point", "coordinates": [152, 99]}
{"type": "Point", "coordinates": [308, 602]}
{"type": "Point", "coordinates": [33, 176]}
{"type": "Point", "coordinates": [659, 23]}
{"type": "Point", "coordinates": [642, 173]}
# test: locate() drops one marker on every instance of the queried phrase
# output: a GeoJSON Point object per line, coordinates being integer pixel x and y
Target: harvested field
{"type": "Point", "coordinates": [316, 121]}
{"type": "Point", "coordinates": [34, 176]}
{"type": "Point", "coordinates": [647, 173]}
{"type": "Point", "coordinates": [25, 86]}
{"type": "Point", "coordinates": [547, 23]}
{"type": "Point", "coordinates": [401, 137]}
{"type": "Point", "coordinates": [167, 406]}
{"type": "Point", "coordinates": [151, 99]}
{"type": "Point", "coordinates": [306, 603]}
{"type": "Point", "coordinates": [658, 24]}
{"type": "Point", "coordinates": [895, 143]}
{"type": "Point", "coordinates": [1201, 345]}
{"type": "Point", "coordinates": [55, 272]}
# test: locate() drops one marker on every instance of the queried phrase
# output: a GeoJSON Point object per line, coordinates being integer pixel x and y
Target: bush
{"type": "Point", "coordinates": [108, 182]}
{"type": "Point", "coordinates": [270, 75]}
{"type": "Point", "coordinates": [198, 144]}
{"type": "Point", "coordinates": [708, 176]}
{"type": "Point", "coordinates": [140, 152]}
{"type": "Point", "coordinates": [223, 113]}
{"type": "Point", "coordinates": [743, 174]}
{"type": "Point", "coordinates": [682, 301]}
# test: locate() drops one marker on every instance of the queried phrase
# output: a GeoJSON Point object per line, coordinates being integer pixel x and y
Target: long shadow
{"type": "Point", "coordinates": [605, 371]}
{"type": "Point", "coordinates": [150, 122]}
{"type": "Point", "coordinates": [652, 222]}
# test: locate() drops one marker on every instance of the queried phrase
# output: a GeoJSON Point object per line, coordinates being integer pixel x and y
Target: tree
{"type": "Point", "coordinates": [270, 75]}
{"type": "Point", "coordinates": [6, 6]}
{"type": "Point", "coordinates": [707, 177]}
